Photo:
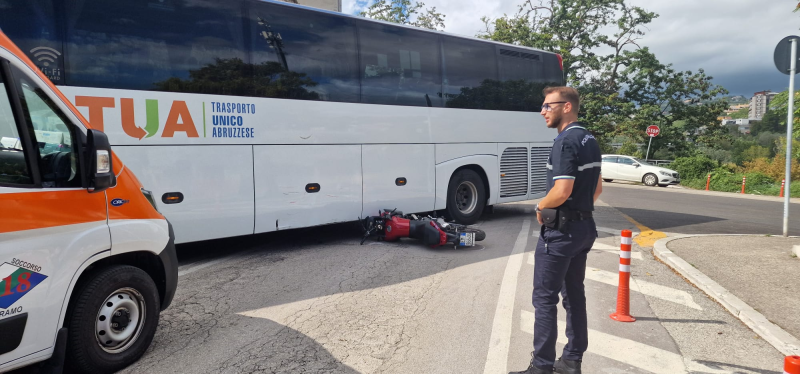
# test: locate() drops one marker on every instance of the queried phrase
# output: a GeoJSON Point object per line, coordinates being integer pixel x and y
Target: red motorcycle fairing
{"type": "Point", "coordinates": [396, 228]}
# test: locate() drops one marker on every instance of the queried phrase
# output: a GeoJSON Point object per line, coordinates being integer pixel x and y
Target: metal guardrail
{"type": "Point", "coordinates": [660, 162]}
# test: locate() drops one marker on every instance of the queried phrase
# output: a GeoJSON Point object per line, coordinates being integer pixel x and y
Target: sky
{"type": "Point", "coordinates": [732, 40]}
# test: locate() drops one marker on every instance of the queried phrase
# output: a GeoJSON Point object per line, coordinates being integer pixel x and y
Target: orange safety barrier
{"type": "Point", "coordinates": [783, 183]}
{"type": "Point", "coordinates": [791, 365]}
{"type": "Point", "coordinates": [744, 180]}
{"type": "Point", "coordinates": [708, 181]}
{"type": "Point", "coordinates": [623, 313]}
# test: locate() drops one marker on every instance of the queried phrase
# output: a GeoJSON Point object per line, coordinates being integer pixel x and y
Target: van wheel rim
{"type": "Point", "coordinates": [120, 320]}
{"type": "Point", "coordinates": [650, 180]}
{"type": "Point", "coordinates": [466, 197]}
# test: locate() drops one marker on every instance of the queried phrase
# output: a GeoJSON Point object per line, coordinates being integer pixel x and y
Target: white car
{"type": "Point", "coordinates": [627, 168]}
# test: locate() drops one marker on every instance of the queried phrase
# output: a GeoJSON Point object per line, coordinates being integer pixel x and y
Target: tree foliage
{"type": "Point", "coordinates": [406, 13]}
{"type": "Point", "coordinates": [624, 87]}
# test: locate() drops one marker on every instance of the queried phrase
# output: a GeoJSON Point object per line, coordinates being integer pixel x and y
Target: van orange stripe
{"type": "Point", "coordinates": [43, 209]}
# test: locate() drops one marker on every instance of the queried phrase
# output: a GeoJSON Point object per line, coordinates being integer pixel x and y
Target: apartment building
{"type": "Point", "coordinates": [759, 104]}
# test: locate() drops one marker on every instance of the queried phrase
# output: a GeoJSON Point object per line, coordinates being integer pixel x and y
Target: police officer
{"type": "Point", "coordinates": [573, 185]}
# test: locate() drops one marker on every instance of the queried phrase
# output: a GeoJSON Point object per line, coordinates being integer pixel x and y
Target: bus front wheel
{"type": "Point", "coordinates": [466, 197]}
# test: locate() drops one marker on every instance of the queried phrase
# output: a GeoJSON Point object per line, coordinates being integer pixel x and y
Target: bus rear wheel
{"type": "Point", "coordinates": [113, 318]}
{"type": "Point", "coordinates": [466, 197]}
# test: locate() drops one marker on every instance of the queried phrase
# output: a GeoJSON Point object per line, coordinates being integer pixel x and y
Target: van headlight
{"type": "Point", "coordinates": [149, 196]}
{"type": "Point", "coordinates": [664, 173]}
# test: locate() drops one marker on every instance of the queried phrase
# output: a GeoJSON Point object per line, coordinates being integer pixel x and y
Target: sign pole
{"type": "Point", "coordinates": [790, 120]}
{"type": "Point", "coordinates": [646, 155]}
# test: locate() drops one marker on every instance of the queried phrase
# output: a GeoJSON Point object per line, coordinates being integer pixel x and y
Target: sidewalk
{"type": "Point", "coordinates": [681, 189]}
{"type": "Point", "coordinates": [755, 277]}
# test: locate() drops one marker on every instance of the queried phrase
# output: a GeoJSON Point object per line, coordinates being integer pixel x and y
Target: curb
{"type": "Point", "coordinates": [772, 333]}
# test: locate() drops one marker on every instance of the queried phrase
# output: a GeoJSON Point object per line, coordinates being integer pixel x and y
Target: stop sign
{"type": "Point", "coordinates": [653, 131]}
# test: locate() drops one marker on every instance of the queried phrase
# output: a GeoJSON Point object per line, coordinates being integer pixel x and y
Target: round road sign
{"type": "Point", "coordinates": [653, 131]}
{"type": "Point", "coordinates": [783, 54]}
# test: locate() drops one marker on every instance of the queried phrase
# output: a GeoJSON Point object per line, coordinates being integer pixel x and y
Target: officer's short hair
{"type": "Point", "coordinates": [566, 93]}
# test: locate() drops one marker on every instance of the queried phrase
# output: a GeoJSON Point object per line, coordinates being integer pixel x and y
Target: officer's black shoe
{"type": "Point", "coordinates": [534, 370]}
{"type": "Point", "coordinates": [564, 366]}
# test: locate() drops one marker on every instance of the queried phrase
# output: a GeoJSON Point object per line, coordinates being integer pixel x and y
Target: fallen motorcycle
{"type": "Point", "coordinates": [391, 225]}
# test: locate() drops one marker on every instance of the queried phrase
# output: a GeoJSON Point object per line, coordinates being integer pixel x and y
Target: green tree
{"type": "Point", "coordinates": [741, 113]}
{"type": "Point", "coordinates": [627, 90]}
{"type": "Point", "coordinates": [405, 12]}
{"type": "Point", "coordinates": [780, 106]}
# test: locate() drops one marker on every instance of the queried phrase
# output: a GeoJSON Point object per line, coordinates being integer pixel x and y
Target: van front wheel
{"type": "Point", "coordinates": [112, 320]}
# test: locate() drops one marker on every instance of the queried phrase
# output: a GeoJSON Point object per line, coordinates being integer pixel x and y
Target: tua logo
{"type": "Point", "coordinates": [179, 118]}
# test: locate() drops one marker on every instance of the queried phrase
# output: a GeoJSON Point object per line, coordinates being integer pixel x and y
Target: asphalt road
{"type": "Point", "coordinates": [315, 301]}
{"type": "Point", "coordinates": [668, 210]}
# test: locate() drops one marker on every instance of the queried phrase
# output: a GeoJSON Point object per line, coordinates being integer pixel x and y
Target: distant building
{"type": "Point", "coordinates": [334, 5]}
{"type": "Point", "coordinates": [759, 104]}
{"type": "Point", "coordinates": [743, 125]}
{"type": "Point", "coordinates": [736, 108]}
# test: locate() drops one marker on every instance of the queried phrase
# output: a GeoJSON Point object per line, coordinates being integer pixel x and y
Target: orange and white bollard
{"type": "Point", "coordinates": [791, 365]}
{"type": "Point", "coordinates": [623, 313]}
{"type": "Point", "coordinates": [708, 181]}
{"type": "Point", "coordinates": [744, 180]}
{"type": "Point", "coordinates": [783, 184]}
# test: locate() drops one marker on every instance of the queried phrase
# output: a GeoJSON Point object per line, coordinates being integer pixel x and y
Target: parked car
{"type": "Point", "coordinates": [627, 168]}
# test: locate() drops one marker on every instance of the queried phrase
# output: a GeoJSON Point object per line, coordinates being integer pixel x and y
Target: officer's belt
{"type": "Point", "coordinates": [574, 215]}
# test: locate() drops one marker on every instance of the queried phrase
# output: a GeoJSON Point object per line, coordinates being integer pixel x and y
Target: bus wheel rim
{"type": "Point", "coordinates": [466, 197]}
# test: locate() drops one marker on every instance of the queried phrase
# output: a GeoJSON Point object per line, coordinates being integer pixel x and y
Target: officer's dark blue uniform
{"type": "Point", "coordinates": [561, 256]}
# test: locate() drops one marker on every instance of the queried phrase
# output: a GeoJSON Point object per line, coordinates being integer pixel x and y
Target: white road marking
{"type": "Point", "coordinates": [628, 351]}
{"type": "Point", "coordinates": [497, 358]}
{"type": "Point", "coordinates": [612, 249]}
{"type": "Point", "coordinates": [643, 287]}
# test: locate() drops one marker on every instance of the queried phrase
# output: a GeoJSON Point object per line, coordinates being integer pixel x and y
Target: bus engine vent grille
{"type": "Point", "coordinates": [514, 172]}
{"type": "Point", "coordinates": [539, 169]}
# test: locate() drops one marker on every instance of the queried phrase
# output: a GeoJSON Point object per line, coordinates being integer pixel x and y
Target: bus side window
{"type": "Point", "coordinates": [302, 54]}
{"type": "Point", "coordinates": [58, 159]}
{"type": "Point", "coordinates": [13, 166]}
{"type": "Point", "coordinates": [470, 69]}
{"type": "Point", "coordinates": [399, 66]}
{"type": "Point", "coordinates": [35, 27]}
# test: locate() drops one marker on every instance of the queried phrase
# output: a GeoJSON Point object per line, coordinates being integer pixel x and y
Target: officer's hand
{"type": "Point", "coordinates": [539, 218]}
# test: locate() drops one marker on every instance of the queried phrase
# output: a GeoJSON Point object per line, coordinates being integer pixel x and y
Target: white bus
{"type": "Point", "coordinates": [248, 116]}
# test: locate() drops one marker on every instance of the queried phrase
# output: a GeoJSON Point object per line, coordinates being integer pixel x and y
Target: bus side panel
{"type": "Point", "coordinates": [448, 155]}
{"type": "Point", "coordinates": [445, 170]}
{"type": "Point", "coordinates": [216, 183]}
{"type": "Point", "coordinates": [300, 186]}
{"type": "Point", "coordinates": [491, 126]}
{"type": "Point", "coordinates": [384, 164]}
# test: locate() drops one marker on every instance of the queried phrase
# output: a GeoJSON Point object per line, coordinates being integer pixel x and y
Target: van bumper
{"type": "Point", "coordinates": [169, 259]}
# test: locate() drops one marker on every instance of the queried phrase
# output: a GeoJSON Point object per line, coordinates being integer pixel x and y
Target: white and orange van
{"type": "Point", "coordinates": [86, 260]}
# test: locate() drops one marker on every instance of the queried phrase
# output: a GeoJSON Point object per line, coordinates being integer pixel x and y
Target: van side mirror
{"type": "Point", "coordinates": [100, 170]}
{"type": "Point", "coordinates": [636, 164]}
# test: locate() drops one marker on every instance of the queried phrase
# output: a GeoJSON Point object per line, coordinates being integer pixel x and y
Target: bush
{"type": "Point", "coordinates": [695, 167]}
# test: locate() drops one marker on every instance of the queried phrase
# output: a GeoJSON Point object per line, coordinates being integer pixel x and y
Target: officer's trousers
{"type": "Point", "coordinates": [560, 267]}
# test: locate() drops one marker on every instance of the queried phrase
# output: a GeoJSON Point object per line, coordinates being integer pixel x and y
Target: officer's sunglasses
{"type": "Point", "coordinates": [547, 107]}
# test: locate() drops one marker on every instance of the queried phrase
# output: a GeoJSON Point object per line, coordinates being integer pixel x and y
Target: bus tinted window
{"type": "Point", "coordinates": [301, 54]}
{"type": "Point", "coordinates": [165, 45]}
{"type": "Point", "coordinates": [399, 66]}
{"type": "Point", "coordinates": [33, 27]}
{"type": "Point", "coordinates": [470, 74]}
{"type": "Point", "coordinates": [523, 75]}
